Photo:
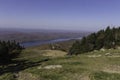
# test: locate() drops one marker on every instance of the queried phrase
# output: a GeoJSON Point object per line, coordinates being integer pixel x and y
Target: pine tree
{"type": "Point", "coordinates": [108, 38]}
{"type": "Point", "coordinates": [8, 51]}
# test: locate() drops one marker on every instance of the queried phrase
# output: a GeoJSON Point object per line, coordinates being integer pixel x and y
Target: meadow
{"type": "Point", "coordinates": [36, 64]}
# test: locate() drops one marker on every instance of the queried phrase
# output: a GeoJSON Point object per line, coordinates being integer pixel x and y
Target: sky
{"type": "Point", "coordinates": [59, 14]}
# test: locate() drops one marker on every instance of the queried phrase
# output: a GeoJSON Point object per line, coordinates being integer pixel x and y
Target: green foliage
{"type": "Point", "coordinates": [8, 51]}
{"type": "Point", "coordinates": [108, 38]}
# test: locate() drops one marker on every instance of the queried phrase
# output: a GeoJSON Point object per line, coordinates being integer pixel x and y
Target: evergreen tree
{"type": "Point", "coordinates": [8, 51]}
{"type": "Point", "coordinates": [108, 38]}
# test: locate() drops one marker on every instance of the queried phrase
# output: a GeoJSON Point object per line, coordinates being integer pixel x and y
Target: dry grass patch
{"type": "Point", "coordinates": [54, 53]}
{"type": "Point", "coordinates": [112, 69]}
{"type": "Point", "coordinates": [27, 76]}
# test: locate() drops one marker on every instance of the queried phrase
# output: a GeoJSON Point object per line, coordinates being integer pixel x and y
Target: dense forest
{"type": "Point", "coordinates": [108, 38]}
{"type": "Point", "coordinates": [8, 51]}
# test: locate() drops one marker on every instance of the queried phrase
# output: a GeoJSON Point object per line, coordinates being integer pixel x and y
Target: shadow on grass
{"type": "Point", "coordinates": [20, 65]}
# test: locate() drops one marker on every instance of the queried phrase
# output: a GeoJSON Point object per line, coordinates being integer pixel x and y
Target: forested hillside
{"type": "Point", "coordinates": [108, 38]}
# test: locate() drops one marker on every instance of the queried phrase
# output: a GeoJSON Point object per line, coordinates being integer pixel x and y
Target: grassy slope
{"type": "Point", "coordinates": [64, 45]}
{"type": "Point", "coordinates": [91, 66]}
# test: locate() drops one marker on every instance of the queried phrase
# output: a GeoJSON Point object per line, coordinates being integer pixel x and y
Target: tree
{"type": "Point", "coordinates": [108, 38]}
{"type": "Point", "coordinates": [8, 51]}
{"type": "Point", "coordinates": [75, 48]}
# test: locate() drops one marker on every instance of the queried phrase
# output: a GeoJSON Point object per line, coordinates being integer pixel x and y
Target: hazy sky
{"type": "Point", "coordinates": [59, 14]}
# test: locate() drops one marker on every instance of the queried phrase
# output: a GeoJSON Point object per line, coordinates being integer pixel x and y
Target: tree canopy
{"type": "Point", "coordinates": [108, 38]}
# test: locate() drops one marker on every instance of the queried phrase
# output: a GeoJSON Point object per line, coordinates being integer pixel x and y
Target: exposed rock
{"type": "Point", "coordinates": [95, 51]}
{"type": "Point", "coordinates": [108, 54]}
{"type": "Point", "coordinates": [94, 55]}
{"type": "Point", "coordinates": [118, 48]}
{"type": "Point", "coordinates": [102, 49]}
{"type": "Point", "coordinates": [52, 66]}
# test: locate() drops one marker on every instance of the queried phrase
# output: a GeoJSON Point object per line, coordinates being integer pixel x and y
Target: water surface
{"type": "Point", "coordinates": [36, 43]}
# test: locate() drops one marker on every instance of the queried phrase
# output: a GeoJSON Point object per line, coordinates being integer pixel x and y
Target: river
{"type": "Point", "coordinates": [36, 43]}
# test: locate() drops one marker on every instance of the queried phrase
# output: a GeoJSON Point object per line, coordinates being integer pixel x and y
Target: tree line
{"type": "Point", "coordinates": [8, 51]}
{"type": "Point", "coordinates": [108, 38]}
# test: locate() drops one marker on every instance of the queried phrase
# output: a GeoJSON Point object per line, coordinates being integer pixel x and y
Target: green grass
{"type": "Point", "coordinates": [79, 67]}
{"type": "Point", "coordinates": [105, 76]}
{"type": "Point", "coordinates": [7, 76]}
